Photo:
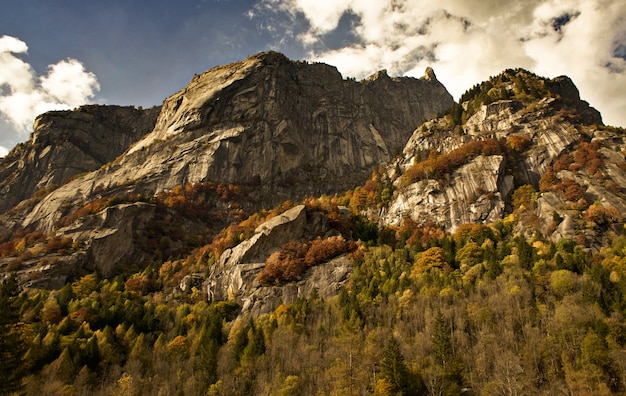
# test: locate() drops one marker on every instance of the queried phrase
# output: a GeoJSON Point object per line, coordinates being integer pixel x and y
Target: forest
{"type": "Point", "coordinates": [481, 311]}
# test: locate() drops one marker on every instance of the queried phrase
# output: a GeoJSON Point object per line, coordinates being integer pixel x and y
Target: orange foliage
{"type": "Point", "coordinates": [431, 258]}
{"type": "Point", "coordinates": [81, 315]}
{"type": "Point", "coordinates": [601, 215]}
{"type": "Point", "coordinates": [548, 181]}
{"type": "Point", "coordinates": [436, 166]}
{"type": "Point", "coordinates": [586, 156]}
{"type": "Point", "coordinates": [289, 263]}
{"type": "Point", "coordinates": [573, 191]}
{"type": "Point", "coordinates": [58, 245]}
{"type": "Point", "coordinates": [88, 209]}
{"type": "Point", "coordinates": [519, 143]}
{"type": "Point", "coordinates": [563, 162]}
{"type": "Point", "coordinates": [140, 284]}
{"type": "Point", "coordinates": [414, 234]}
{"type": "Point", "coordinates": [20, 236]}
{"type": "Point", "coordinates": [474, 232]}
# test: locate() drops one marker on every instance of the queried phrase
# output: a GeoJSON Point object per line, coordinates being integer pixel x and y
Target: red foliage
{"type": "Point", "coordinates": [573, 191]}
{"type": "Point", "coordinates": [436, 166]}
{"type": "Point", "coordinates": [294, 257]}
{"type": "Point", "coordinates": [89, 208]}
{"type": "Point", "coordinates": [563, 162]}
{"type": "Point", "coordinates": [81, 315]}
{"type": "Point", "coordinates": [140, 284]}
{"type": "Point", "coordinates": [414, 234]}
{"type": "Point", "coordinates": [7, 248]}
{"type": "Point", "coordinates": [58, 245]}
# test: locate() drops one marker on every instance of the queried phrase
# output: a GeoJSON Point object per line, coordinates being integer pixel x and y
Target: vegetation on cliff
{"type": "Point", "coordinates": [520, 305]}
{"type": "Point", "coordinates": [481, 311]}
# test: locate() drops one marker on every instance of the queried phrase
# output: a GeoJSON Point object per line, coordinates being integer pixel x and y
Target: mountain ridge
{"type": "Point", "coordinates": [266, 127]}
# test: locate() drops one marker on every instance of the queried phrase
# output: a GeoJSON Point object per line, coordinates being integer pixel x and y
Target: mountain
{"type": "Point", "coordinates": [264, 130]}
{"type": "Point", "coordinates": [68, 143]}
{"type": "Point", "coordinates": [514, 130]}
{"type": "Point", "coordinates": [275, 229]}
{"type": "Point", "coordinates": [519, 150]}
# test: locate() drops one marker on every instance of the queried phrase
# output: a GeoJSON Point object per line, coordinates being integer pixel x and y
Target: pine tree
{"type": "Point", "coordinates": [12, 343]}
{"type": "Point", "coordinates": [450, 367]}
{"type": "Point", "coordinates": [393, 367]}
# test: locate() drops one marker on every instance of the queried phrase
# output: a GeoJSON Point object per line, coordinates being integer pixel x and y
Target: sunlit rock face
{"type": "Point", "coordinates": [290, 129]}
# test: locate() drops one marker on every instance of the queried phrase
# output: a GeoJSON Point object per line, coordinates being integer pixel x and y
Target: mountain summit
{"type": "Point", "coordinates": [275, 128]}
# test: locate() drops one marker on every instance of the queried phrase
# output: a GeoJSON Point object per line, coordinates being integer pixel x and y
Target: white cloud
{"type": "Point", "coordinates": [3, 151]}
{"type": "Point", "coordinates": [467, 41]}
{"type": "Point", "coordinates": [24, 95]}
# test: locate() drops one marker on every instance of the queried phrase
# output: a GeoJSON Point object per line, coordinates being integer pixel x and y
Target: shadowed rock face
{"type": "Point", "coordinates": [67, 143]}
{"type": "Point", "coordinates": [290, 129]}
{"type": "Point", "coordinates": [279, 129]}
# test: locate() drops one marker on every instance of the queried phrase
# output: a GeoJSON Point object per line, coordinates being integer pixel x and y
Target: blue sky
{"type": "Point", "coordinates": [59, 54]}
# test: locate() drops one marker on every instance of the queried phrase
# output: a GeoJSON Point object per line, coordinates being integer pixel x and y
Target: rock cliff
{"type": "Point", "coordinates": [264, 130]}
{"type": "Point", "coordinates": [68, 143]}
{"type": "Point", "coordinates": [290, 129]}
{"type": "Point", "coordinates": [235, 275]}
{"type": "Point", "coordinates": [516, 129]}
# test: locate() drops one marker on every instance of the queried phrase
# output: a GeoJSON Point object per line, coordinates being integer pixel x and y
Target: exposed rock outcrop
{"type": "Point", "coordinates": [100, 242]}
{"type": "Point", "coordinates": [290, 128]}
{"type": "Point", "coordinates": [67, 143]}
{"type": "Point", "coordinates": [538, 130]}
{"type": "Point", "coordinates": [474, 193]}
{"type": "Point", "coordinates": [235, 276]}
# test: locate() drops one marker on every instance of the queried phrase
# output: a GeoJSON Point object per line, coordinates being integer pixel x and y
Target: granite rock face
{"type": "Point", "coordinates": [475, 193]}
{"type": "Point", "coordinates": [480, 190]}
{"type": "Point", "coordinates": [291, 129]}
{"type": "Point", "coordinates": [235, 275]}
{"type": "Point", "coordinates": [67, 143]}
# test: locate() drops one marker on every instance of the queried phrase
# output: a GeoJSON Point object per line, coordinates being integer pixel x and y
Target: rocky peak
{"type": "Point", "coordinates": [66, 143]}
{"type": "Point", "coordinates": [505, 133]}
{"type": "Point", "coordinates": [429, 74]}
{"type": "Point", "coordinates": [291, 129]}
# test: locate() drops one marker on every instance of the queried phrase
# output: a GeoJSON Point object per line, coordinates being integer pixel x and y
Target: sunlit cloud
{"type": "Point", "coordinates": [24, 94]}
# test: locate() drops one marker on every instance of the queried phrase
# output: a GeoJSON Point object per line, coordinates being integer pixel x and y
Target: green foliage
{"type": "Point", "coordinates": [486, 309]}
{"type": "Point", "coordinates": [393, 371]}
{"type": "Point", "coordinates": [12, 338]}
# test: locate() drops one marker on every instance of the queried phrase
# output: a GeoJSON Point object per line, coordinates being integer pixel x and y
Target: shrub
{"type": "Point", "coordinates": [572, 190]}
{"type": "Point", "coordinates": [601, 215]}
{"type": "Point", "coordinates": [519, 143]}
{"type": "Point", "coordinates": [289, 263]}
{"type": "Point", "coordinates": [436, 166]}
{"type": "Point", "coordinates": [548, 181]}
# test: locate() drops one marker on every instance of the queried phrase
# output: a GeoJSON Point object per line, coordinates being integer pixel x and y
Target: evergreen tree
{"type": "Point", "coordinates": [12, 343]}
{"type": "Point", "coordinates": [450, 368]}
{"type": "Point", "coordinates": [394, 372]}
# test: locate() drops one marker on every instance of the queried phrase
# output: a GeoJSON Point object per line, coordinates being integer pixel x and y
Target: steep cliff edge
{"type": "Point", "coordinates": [67, 143]}
{"type": "Point", "coordinates": [239, 138]}
{"type": "Point", "coordinates": [517, 144]}
{"type": "Point", "coordinates": [290, 129]}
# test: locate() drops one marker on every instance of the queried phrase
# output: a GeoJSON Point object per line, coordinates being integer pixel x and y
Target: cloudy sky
{"type": "Point", "coordinates": [59, 54]}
